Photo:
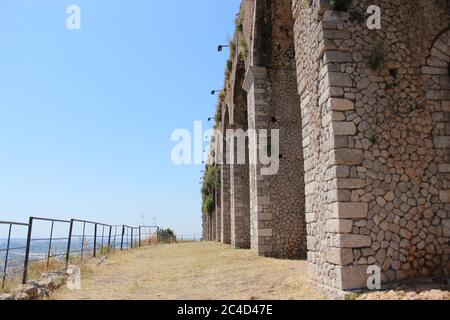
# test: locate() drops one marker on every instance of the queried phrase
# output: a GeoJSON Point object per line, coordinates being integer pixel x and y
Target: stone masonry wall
{"type": "Point", "coordinates": [364, 120]}
{"type": "Point", "coordinates": [239, 172]}
{"type": "Point", "coordinates": [385, 190]}
{"type": "Point", "coordinates": [277, 201]}
{"type": "Point", "coordinates": [225, 219]}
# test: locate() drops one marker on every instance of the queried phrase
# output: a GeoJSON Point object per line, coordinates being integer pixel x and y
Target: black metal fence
{"type": "Point", "coordinates": [11, 247]}
{"type": "Point", "coordinates": [68, 240]}
{"type": "Point", "coordinates": [193, 238]}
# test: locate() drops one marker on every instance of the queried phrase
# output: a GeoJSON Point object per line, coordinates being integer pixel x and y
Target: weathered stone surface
{"type": "Point", "coordinates": [348, 156]}
{"type": "Point", "coordinates": [339, 256]}
{"type": "Point", "coordinates": [371, 142]}
{"type": "Point", "coordinates": [350, 210]}
{"type": "Point", "coordinates": [444, 168]}
{"type": "Point", "coordinates": [350, 183]}
{"type": "Point", "coordinates": [351, 241]}
{"type": "Point", "coordinates": [337, 56]}
{"type": "Point", "coordinates": [339, 226]}
{"type": "Point", "coordinates": [442, 142]}
{"type": "Point", "coordinates": [336, 104]}
{"type": "Point", "coordinates": [444, 196]}
{"type": "Point", "coordinates": [338, 79]}
{"type": "Point", "coordinates": [343, 128]}
{"type": "Point", "coordinates": [352, 277]}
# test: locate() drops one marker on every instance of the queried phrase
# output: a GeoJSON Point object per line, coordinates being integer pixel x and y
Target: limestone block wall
{"type": "Point", "coordinates": [255, 85]}
{"type": "Point", "coordinates": [280, 198]}
{"type": "Point", "coordinates": [364, 120]}
{"type": "Point", "coordinates": [213, 227]}
{"type": "Point", "coordinates": [385, 200]}
{"type": "Point", "coordinates": [239, 170]}
{"type": "Point", "coordinates": [225, 219]}
{"type": "Point", "coordinates": [320, 188]}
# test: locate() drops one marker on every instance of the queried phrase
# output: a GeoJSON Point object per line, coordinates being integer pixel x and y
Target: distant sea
{"type": "Point", "coordinates": [38, 251]}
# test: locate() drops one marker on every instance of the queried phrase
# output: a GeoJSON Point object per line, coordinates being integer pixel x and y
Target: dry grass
{"type": "Point", "coordinates": [193, 271]}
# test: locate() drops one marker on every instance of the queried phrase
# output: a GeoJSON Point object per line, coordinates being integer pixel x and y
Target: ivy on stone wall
{"type": "Point", "coordinates": [210, 184]}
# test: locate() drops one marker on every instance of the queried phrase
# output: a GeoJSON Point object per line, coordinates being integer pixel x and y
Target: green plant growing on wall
{"type": "Point", "coordinates": [376, 59]}
{"type": "Point", "coordinates": [391, 85]}
{"type": "Point", "coordinates": [232, 50]}
{"type": "Point", "coordinates": [218, 115]}
{"type": "Point", "coordinates": [208, 205]}
{"type": "Point", "coordinates": [306, 3]}
{"type": "Point", "coordinates": [244, 50]}
{"type": "Point", "coordinates": [228, 69]}
{"type": "Point", "coordinates": [210, 184]}
{"type": "Point", "coordinates": [374, 139]}
{"type": "Point", "coordinates": [239, 27]}
{"type": "Point", "coordinates": [238, 21]}
{"type": "Point", "coordinates": [340, 5]}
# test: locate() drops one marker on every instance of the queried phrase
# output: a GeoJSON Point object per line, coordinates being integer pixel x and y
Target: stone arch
{"type": "Point", "coordinates": [239, 171]}
{"type": "Point", "coordinates": [225, 213]}
{"type": "Point", "coordinates": [277, 212]}
{"type": "Point", "coordinates": [436, 74]}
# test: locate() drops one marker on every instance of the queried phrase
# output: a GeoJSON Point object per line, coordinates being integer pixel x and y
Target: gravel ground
{"type": "Point", "coordinates": [203, 271]}
{"type": "Point", "coordinates": [211, 271]}
{"type": "Point", "coordinates": [425, 292]}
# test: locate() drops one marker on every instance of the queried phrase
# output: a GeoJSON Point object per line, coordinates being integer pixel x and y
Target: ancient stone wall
{"type": "Point", "coordinates": [277, 201]}
{"type": "Point", "coordinates": [239, 168]}
{"type": "Point", "coordinates": [364, 120]}
{"type": "Point", "coordinates": [384, 206]}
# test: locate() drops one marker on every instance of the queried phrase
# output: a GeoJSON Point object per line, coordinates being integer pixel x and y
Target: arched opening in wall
{"type": "Point", "coordinates": [436, 222]}
{"type": "Point", "coordinates": [239, 170]}
{"type": "Point", "coordinates": [277, 200]}
{"type": "Point", "coordinates": [225, 213]}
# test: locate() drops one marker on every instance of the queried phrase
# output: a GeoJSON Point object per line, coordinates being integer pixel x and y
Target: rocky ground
{"type": "Point", "coordinates": [407, 293]}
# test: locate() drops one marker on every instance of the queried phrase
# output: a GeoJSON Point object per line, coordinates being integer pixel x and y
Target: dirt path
{"type": "Point", "coordinates": [193, 271]}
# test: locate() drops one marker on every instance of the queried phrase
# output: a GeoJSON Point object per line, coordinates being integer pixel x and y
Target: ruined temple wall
{"type": "Point", "coordinates": [378, 195]}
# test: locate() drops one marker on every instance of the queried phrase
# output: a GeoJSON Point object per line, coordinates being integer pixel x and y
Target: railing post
{"type": "Point", "coordinates": [132, 231]}
{"type": "Point", "coordinates": [139, 236]}
{"type": "Point", "coordinates": [95, 241]}
{"type": "Point", "coordinates": [69, 242]}
{"type": "Point", "coordinates": [5, 268]}
{"type": "Point", "coordinates": [109, 238]}
{"type": "Point", "coordinates": [27, 251]}
{"type": "Point", "coordinates": [50, 245]}
{"type": "Point", "coordinates": [157, 235]}
{"type": "Point", "coordinates": [82, 240]}
{"type": "Point", "coordinates": [123, 233]}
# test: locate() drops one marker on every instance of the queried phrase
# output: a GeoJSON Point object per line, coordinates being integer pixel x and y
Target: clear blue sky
{"type": "Point", "coordinates": [86, 116]}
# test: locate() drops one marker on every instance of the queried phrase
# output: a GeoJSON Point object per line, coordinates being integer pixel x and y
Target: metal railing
{"type": "Point", "coordinates": [68, 239]}
{"type": "Point", "coordinates": [148, 234]}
